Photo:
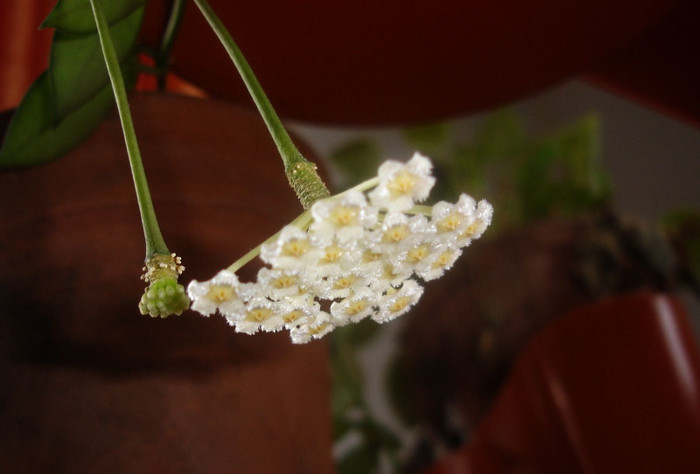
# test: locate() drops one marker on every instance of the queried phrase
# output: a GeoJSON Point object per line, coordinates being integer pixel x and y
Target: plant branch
{"type": "Point", "coordinates": [177, 11]}
{"type": "Point", "coordinates": [154, 239]}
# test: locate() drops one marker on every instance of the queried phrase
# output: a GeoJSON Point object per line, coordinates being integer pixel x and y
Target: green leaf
{"type": "Point", "coordinates": [31, 139]}
{"type": "Point", "coordinates": [68, 101]}
{"type": "Point", "coordinates": [77, 69]}
{"type": "Point", "coordinates": [74, 17]}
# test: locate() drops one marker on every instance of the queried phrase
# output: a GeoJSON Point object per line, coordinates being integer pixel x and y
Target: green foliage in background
{"type": "Point", "coordinates": [525, 177]}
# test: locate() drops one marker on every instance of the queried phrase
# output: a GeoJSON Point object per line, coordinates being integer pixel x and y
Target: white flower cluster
{"type": "Point", "coordinates": [359, 258]}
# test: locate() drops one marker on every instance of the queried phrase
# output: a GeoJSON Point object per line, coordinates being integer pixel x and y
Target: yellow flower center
{"type": "Point", "coordinates": [221, 293]}
{"type": "Point", "coordinates": [313, 330]}
{"type": "Point", "coordinates": [295, 248]}
{"type": "Point", "coordinates": [292, 316]}
{"type": "Point", "coordinates": [399, 304]}
{"type": "Point", "coordinates": [369, 256]}
{"type": "Point", "coordinates": [417, 254]}
{"type": "Point", "coordinates": [473, 228]}
{"type": "Point", "coordinates": [258, 315]}
{"type": "Point", "coordinates": [402, 184]}
{"type": "Point", "coordinates": [389, 273]}
{"type": "Point", "coordinates": [395, 234]}
{"type": "Point", "coordinates": [284, 281]}
{"type": "Point", "coordinates": [344, 215]}
{"type": "Point", "coordinates": [345, 282]}
{"type": "Point", "coordinates": [449, 223]}
{"type": "Point", "coordinates": [356, 307]}
{"type": "Point", "coordinates": [331, 254]}
{"type": "Point", "coordinates": [443, 259]}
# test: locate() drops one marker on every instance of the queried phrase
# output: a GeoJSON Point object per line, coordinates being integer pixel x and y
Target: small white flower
{"type": "Point", "coordinates": [392, 276]}
{"type": "Point", "coordinates": [397, 302]}
{"type": "Point", "coordinates": [317, 327]}
{"type": "Point", "coordinates": [259, 313]}
{"type": "Point", "coordinates": [221, 293]}
{"type": "Point", "coordinates": [401, 185]}
{"type": "Point", "coordinates": [291, 250]}
{"type": "Point", "coordinates": [354, 308]}
{"type": "Point", "coordinates": [344, 218]}
{"type": "Point", "coordinates": [340, 286]}
{"type": "Point", "coordinates": [276, 283]}
{"type": "Point", "coordinates": [393, 237]}
{"type": "Point", "coordinates": [442, 260]}
{"type": "Point", "coordinates": [298, 310]}
{"type": "Point", "coordinates": [334, 259]}
{"type": "Point", "coordinates": [481, 219]}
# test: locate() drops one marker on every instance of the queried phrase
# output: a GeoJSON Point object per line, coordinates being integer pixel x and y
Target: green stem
{"type": "Point", "coordinates": [300, 172]}
{"type": "Point", "coordinates": [154, 239]}
{"type": "Point", "coordinates": [302, 221]}
{"type": "Point", "coordinates": [177, 11]}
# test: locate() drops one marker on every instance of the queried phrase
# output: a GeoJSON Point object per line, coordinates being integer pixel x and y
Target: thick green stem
{"type": "Point", "coordinates": [300, 172]}
{"type": "Point", "coordinates": [154, 239]}
{"type": "Point", "coordinates": [177, 10]}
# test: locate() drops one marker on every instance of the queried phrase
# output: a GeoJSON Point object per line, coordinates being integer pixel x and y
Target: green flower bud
{"type": "Point", "coordinates": [163, 298]}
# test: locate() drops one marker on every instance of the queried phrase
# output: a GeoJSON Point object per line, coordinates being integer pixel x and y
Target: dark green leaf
{"type": "Point", "coordinates": [74, 17]}
{"type": "Point", "coordinates": [31, 139]}
{"type": "Point", "coordinates": [77, 70]}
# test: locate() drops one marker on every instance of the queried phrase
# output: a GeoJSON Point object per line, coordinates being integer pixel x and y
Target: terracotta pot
{"type": "Point", "coordinates": [87, 383]}
{"type": "Point", "coordinates": [611, 387]}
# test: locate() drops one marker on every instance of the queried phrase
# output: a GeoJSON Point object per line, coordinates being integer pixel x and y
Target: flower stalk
{"type": "Point", "coordinates": [163, 296]}
{"type": "Point", "coordinates": [301, 173]}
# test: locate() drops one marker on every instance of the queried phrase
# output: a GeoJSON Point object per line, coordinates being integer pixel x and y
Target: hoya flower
{"type": "Point", "coordinates": [222, 293]}
{"type": "Point", "coordinates": [259, 313]}
{"type": "Point", "coordinates": [482, 219]}
{"type": "Point", "coordinates": [354, 308]}
{"type": "Point", "coordinates": [341, 286]}
{"type": "Point", "coordinates": [358, 259]}
{"type": "Point", "coordinates": [403, 184]}
{"type": "Point", "coordinates": [298, 310]}
{"type": "Point", "coordinates": [343, 218]}
{"type": "Point", "coordinates": [334, 259]}
{"type": "Point", "coordinates": [291, 250]}
{"type": "Point", "coordinates": [276, 283]}
{"type": "Point", "coordinates": [393, 275]}
{"type": "Point", "coordinates": [397, 302]}
{"type": "Point", "coordinates": [440, 261]}
{"type": "Point", "coordinates": [317, 327]}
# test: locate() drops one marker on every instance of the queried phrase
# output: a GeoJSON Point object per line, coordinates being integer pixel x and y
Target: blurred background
{"type": "Point", "coordinates": [578, 120]}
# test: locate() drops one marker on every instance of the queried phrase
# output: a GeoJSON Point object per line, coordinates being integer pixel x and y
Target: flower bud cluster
{"type": "Point", "coordinates": [361, 257]}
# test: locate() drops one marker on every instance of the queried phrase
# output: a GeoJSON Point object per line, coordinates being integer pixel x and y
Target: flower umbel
{"type": "Point", "coordinates": [350, 257]}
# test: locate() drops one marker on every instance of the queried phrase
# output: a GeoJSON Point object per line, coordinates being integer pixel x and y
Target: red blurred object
{"type": "Point", "coordinates": [390, 62]}
{"type": "Point", "coordinates": [613, 387]}
{"type": "Point", "coordinates": [24, 51]}
{"type": "Point", "coordinates": [661, 69]}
